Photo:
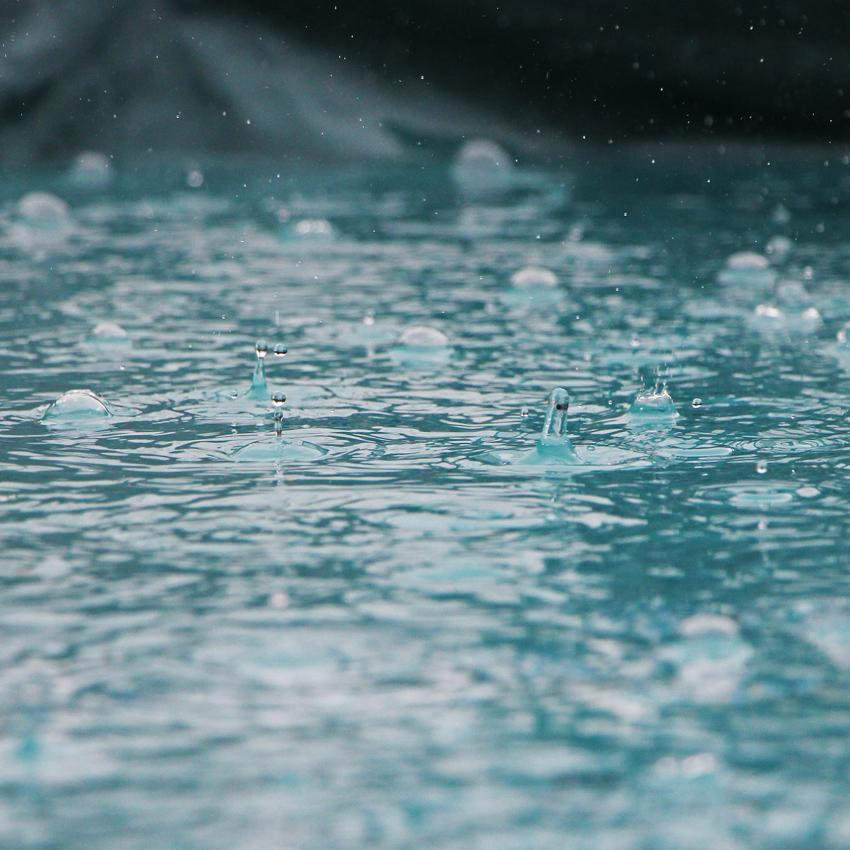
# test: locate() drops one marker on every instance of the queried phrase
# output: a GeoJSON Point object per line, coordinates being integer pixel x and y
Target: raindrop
{"type": "Point", "coordinates": [280, 350]}
{"type": "Point", "coordinates": [761, 467]}
{"type": "Point", "coordinates": [697, 402]}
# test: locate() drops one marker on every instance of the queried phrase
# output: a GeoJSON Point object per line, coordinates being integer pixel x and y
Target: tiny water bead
{"type": "Point", "coordinates": [761, 467]}
{"type": "Point", "coordinates": [78, 404]}
{"type": "Point", "coordinates": [481, 168]}
{"type": "Point", "coordinates": [280, 350]}
{"type": "Point", "coordinates": [696, 403]}
{"type": "Point", "coordinates": [278, 401]}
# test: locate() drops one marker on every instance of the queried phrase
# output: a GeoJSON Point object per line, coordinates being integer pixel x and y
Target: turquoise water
{"type": "Point", "coordinates": [403, 623]}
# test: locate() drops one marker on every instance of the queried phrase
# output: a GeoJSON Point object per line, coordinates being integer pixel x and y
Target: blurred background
{"type": "Point", "coordinates": [338, 80]}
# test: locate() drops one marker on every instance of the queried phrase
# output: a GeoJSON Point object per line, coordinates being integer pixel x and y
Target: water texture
{"type": "Point", "coordinates": [385, 627]}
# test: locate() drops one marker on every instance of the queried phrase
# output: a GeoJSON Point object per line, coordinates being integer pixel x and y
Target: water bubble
{"type": "Point", "coordinates": [44, 211]}
{"type": "Point", "coordinates": [779, 247]}
{"type": "Point", "coordinates": [534, 276]}
{"type": "Point", "coordinates": [422, 336]}
{"type": "Point", "coordinates": [761, 467]}
{"type": "Point", "coordinates": [77, 404]}
{"type": "Point", "coordinates": [280, 350]}
{"type": "Point", "coordinates": [195, 179]}
{"type": "Point", "coordinates": [108, 335]}
{"type": "Point", "coordinates": [746, 260]}
{"type": "Point", "coordinates": [781, 215]}
{"type": "Point", "coordinates": [262, 348]}
{"type": "Point", "coordinates": [482, 167]}
{"type": "Point", "coordinates": [91, 170]}
{"type": "Point", "coordinates": [313, 228]}
{"type": "Point", "coordinates": [747, 268]}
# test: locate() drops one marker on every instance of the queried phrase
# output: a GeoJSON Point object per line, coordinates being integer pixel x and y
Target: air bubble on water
{"type": "Point", "coordinates": [109, 334]}
{"type": "Point", "coordinates": [761, 467]}
{"type": "Point", "coordinates": [779, 247]}
{"type": "Point", "coordinates": [44, 210]}
{"type": "Point", "coordinates": [781, 215]}
{"type": "Point", "coordinates": [422, 336]}
{"type": "Point", "coordinates": [280, 350]}
{"type": "Point", "coordinates": [195, 178]}
{"type": "Point", "coordinates": [746, 260]}
{"type": "Point", "coordinates": [313, 228]}
{"type": "Point", "coordinates": [534, 276]}
{"type": "Point", "coordinates": [77, 404]}
{"type": "Point", "coordinates": [109, 330]}
{"type": "Point", "coordinates": [91, 170]}
{"type": "Point", "coordinates": [482, 167]}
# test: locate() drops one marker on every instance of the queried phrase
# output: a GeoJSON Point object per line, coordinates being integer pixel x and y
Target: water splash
{"type": "Point", "coordinates": [259, 388]}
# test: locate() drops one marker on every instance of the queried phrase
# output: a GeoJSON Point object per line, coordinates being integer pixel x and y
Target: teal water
{"type": "Point", "coordinates": [384, 628]}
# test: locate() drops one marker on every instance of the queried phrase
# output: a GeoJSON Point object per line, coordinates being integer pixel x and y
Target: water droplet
{"type": "Point", "coordinates": [369, 319]}
{"type": "Point", "coordinates": [555, 425]}
{"type": "Point", "coordinates": [524, 412]}
{"type": "Point", "coordinates": [697, 402]}
{"type": "Point", "coordinates": [280, 350]}
{"type": "Point", "coordinates": [279, 399]}
{"type": "Point", "coordinates": [195, 179]}
{"type": "Point", "coordinates": [761, 467]}
{"type": "Point", "coordinates": [262, 348]}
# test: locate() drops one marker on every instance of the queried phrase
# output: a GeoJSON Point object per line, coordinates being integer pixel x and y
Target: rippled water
{"type": "Point", "coordinates": [384, 629]}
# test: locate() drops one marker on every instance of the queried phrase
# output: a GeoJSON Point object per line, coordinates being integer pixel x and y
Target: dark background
{"type": "Point", "coordinates": [349, 80]}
